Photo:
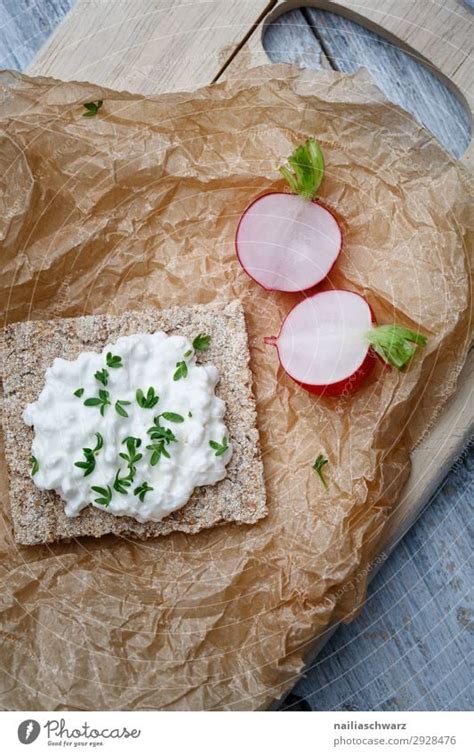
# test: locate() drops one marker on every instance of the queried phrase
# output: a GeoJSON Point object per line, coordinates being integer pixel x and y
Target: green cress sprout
{"type": "Point", "coordinates": [104, 493]}
{"type": "Point", "coordinates": [119, 407]}
{"type": "Point", "coordinates": [318, 468]}
{"type": "Point", "coordinates": [92, 108]}
{"type": "Point", "coordinates": [142, 490]}
{"type": "Point", "coordinates": [149, 401]}
{"type": "Point", "coordinates": [113, 360]}
{"type": "Point", "coordinates": [181, 371]}
{"type": "Point", "coordinates": [102, 376]}
{"type": "Point", "coordinates": [201, 342]}
{"type": "Point", "coordinates": [219, 448]}
{"type": "Point", "coordinates": [90, 453]}
{"type": "Point", "coordinates": [102, 400]}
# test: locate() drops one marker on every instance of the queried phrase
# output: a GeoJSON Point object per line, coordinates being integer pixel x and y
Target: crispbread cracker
{"type": "Point", "coordinates": [30, 348]}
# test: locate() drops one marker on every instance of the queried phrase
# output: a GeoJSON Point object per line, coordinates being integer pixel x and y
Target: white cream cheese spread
{"type": "Point", "coordinates": [132, 430]}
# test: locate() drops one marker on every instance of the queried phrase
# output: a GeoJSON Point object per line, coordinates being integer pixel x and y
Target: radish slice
{"type": "Point", "coordinates": [287, 243]}
{"type": "Point", "coordinates": [325, 342]}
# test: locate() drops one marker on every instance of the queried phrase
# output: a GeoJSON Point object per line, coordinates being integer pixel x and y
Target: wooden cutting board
{"type": "Point", "coordinates": [153, 46]}
{"type": "Point", "coordinates": [156, 46]}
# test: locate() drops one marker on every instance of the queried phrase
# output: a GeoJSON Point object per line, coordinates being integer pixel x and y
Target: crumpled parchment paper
{"type": "Point", "coordinates": [138, 206]}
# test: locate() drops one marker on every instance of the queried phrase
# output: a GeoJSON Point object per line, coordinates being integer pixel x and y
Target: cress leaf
{"type": "Point", "coordinates": [201, 342]}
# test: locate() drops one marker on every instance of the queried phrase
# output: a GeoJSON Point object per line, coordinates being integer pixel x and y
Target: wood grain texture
{"type": "Point", "coordinates": [404, 81]}
{"type": "Point", "coordinates": [346, 45]}
{"type": "Point", "coordinates": [392, 671]}
{"type": "Point", "coordinates": [147, 46]}
{"type": "Point", "coordinates": [25, 26]}
{"type": "Point", "coordinates": [437, 33]}
{"type": "Point", "coordinates": [409, 648]}
{"type": "Point", "coordinates": [291, 39]}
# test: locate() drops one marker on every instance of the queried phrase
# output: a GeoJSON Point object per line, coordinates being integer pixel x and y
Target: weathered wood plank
{"type": "Point", "coordinates": [405, 82]}
{"type": "Point", "coordinates": [290, 39]}
{"type": "Point", "coordinates": [25, 26]}
{"type": "Point", "coordinates": [438, 33]}
{"type": "Point", "coordinates": [409, 647]}
{"type": "Point", "coordinates": [148, 46]}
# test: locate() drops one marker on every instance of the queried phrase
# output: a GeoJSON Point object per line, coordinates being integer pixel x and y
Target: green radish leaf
{"type": "Point", "coordinates": [395, 344]}
{"type": "Point", "coordinates": [305, 169]}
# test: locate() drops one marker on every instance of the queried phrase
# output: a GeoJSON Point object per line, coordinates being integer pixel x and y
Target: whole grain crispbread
{"type": "Point", "coordinates": [31, 347]}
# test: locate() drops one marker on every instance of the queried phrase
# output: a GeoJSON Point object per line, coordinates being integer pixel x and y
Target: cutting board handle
{"type": "Point", "coordinates": [424, 30]}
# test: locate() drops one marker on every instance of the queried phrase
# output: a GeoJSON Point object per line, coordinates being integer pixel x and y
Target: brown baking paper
{"type": "Point", "coordinates": [138, 207]}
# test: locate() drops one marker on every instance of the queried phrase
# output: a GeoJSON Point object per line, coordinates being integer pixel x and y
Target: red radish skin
{"type": "Point", "coordinates": [287, 243]}
{"type": "Point", "coordinates": [342, 318]}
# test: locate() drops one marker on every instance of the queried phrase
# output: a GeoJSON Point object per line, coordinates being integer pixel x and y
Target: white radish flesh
{"type": "Point", "coordinates": [287, 243]}
{"type": "Point", "coordinates": [324, 338]}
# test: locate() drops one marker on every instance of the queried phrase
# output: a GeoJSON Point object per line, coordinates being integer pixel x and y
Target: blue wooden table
{"type": "Point", "coordinates": [410, 648]}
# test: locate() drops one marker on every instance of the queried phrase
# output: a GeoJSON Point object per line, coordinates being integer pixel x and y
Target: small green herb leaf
{"type": "Point", "coordinates": [119, 407]}
{"type": "Point", "coordinates": [181, 371]}
{"type": "Point", "coordinates": [79, 392]}
{"type": "Point", "coordinates": [201, 342]}
{"type": "Point", "coordinates": [157, 451]}
{"type": "Point", "coordinates": [89, 454]}
{"type": "Point", "coordinates": [102, 400]}
{"type": "Point", "coordinates": [188, 353]}
{"type": "Point", "coordinates": [122, 483]}
{"type": "Point", "coordinates": [104, 493]}
{"type": "Point", "coordinates": [172, 417]}
{"type": "Point", "coordinates": [99, 444]}
{"type": "Point", "coordinates": [113, 360]}
{"type": "Point", "coordinates": [34, 465]}
{"type": "Point", "coordinates": [132, 457]}
{"type": "Point", "coordinates": [102, 376]}
{"type": "Point", "coordinates": [132, 442]}
{"type": "Point", "coordinates": [149, 401]}
{"type": "Point", "coordinates": [318, 468]}
{"type": "Point", "coordinates": [219, 448]}
{"type": "Point", "coordinates": [142, 490]}
{"type": "Point", "coordinates": [92, 108]}
{"type": "Point", "coordinates": [157, 432]}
